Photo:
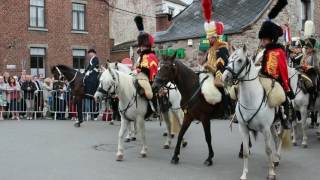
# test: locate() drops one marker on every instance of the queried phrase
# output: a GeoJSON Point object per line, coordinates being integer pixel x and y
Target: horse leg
{"type": "Point", "coordinates": [267, 138]}
{"type": "Point", "coordinates": [245, 139]}
{"type": "Point", "coordinates": [277, 143]}
{"type": "Point", "coordinates": [80, 115]}
{"type": "Point", "coordinates": [141, 129]}
{"type": "Point", "coordinates": [122, 131]}
{"type": "Point", "coordinates": [178, 116]}
{"type": "Point", "coordinates": [166, 118]}
{"type": "Point", "coordinates": [304, 128]}
{"type": "Point", "coordinates": [207, 132]}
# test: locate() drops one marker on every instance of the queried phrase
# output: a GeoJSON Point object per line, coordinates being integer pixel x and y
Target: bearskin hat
{"type": "Point", "coordinates": [310, 43]}
{"type": "Point", "coordinates": [296, 42]}
{"type": "Point", "coordinates": [144, 39]}
{"type": "Point", "coordinates": [269, 29]}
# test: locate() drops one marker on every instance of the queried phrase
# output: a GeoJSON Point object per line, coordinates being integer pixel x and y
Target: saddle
{"type": "Point", "coordinates": [274, 91]}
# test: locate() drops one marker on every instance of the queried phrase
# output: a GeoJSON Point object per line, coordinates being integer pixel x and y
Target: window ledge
{"type": "Point", "coordinates": [37, 29]}
{"type": "Point", "coordinates": [79, 32]}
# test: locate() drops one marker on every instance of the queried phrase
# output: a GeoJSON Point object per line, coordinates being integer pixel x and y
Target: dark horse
{"type": "Point", "coordinates": [75, 79]}
{"type": "Point", "coordinates": [193, 102]}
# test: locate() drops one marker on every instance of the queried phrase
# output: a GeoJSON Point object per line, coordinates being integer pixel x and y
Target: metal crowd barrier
{"type": "Point", "coordinates": [50, 105]}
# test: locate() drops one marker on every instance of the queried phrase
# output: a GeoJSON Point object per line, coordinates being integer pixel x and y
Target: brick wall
{"type": "Point", "coordinates": [59, 39]}
{"type": "Point", "coordinates": [317, 16]}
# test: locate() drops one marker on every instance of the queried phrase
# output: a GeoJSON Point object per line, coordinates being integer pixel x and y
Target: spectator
{"type": "Point", "coordinates": [13, 93]}
{"type": "Point", "coordinates": [59, 99]}
{"type": "Point", "coordinates": [38, 95]}
{"type": "Point", "coordinates": [47, 88]}
{"type": "Point", "coordinates": [3, 99]}
{"type": "Point", "coordinates": [6, 76]}
{"type": "Point", "coordinates": [29, 88]}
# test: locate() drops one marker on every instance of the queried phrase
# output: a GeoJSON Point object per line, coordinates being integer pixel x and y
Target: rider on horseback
{"type": "Point", "coordinates": [295, 51]}
{"type": "Point", "coordinates": [310, 62]}
{"type": "Point", "coordinates": [148, 65]}
{"type": "Point", "coordinates": [91, 73]}
{"type": "Point", "coordinates": [274, 62]}
{"type": "Point", "coordinates": [218, 54]}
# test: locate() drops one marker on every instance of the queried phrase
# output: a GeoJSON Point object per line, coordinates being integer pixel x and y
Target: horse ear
{"type": "Point", "coordinates": [233, 48]}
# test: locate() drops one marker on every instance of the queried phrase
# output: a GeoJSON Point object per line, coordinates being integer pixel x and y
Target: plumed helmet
{"type": "Point", "coordinates": [212, 28]}
{"type": "Point", "coordinates": [309, 29]}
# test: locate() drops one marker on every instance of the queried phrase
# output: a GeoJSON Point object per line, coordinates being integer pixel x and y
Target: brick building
{"type": "Point", "coordinates": [37, 34]}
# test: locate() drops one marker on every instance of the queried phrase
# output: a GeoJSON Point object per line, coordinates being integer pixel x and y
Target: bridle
{"type": "Point", "coordinates": [235, 75]}
{"type": "Point", "coordinates": [61, 76]}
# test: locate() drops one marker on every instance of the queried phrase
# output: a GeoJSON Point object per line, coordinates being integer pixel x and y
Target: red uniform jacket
{"type": "Point", "coordinates": [149, 62]}
{"type": "Point", "coordinates": [274, 64]}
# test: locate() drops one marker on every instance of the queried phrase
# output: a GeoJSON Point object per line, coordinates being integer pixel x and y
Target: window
{"type": "Point", "coordinates": [171, 11]}
{"type": "Point", "coordinates": [37, 56]}
{"type": "Point", "coordinates": [78, 16]}
{"type": "Point", "coordinates": [37, 13]}
{"type": "Point", "coordinates": [79, 56]}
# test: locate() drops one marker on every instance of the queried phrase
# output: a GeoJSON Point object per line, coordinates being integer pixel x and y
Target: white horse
{"type": "Point", "coordinates": [252, 110]}
{"type": "Point", "coordinates": [132, 107]}
{"type": "Point", "coordinates": [173, 116]}
{"type": "Point", "coordinates": [300, 104]}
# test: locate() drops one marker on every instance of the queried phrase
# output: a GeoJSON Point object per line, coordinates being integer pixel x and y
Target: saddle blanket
{"type": "Point", "coordinates": [209, 91]}
{"type": "Point", "coordinates": [274, 91]}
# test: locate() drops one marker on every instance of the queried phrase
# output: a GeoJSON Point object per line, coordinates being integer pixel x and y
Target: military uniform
{"type": "Point", "coordinates": [295, 51]}
{"type": "Point", "coordinates": [91, 76]}
{"type": "Point", "coordinates": [147, 67]}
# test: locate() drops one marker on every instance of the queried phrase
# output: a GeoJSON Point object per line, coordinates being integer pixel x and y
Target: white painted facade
{"type": "Point", "coordinates": [169, 7]}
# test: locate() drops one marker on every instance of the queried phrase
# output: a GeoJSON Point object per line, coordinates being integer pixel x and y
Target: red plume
{"type": "Point", "coordinates": [207, 9]}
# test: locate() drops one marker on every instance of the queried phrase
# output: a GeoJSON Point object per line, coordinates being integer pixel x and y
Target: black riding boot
{"type": "Point", "coordinates": [288, 110]}
{"type": "Point", "coordinates": [225, 103]}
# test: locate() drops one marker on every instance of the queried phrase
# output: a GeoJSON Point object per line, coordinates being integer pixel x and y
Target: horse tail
{"type": "Point", "coordinates": [286, 139]}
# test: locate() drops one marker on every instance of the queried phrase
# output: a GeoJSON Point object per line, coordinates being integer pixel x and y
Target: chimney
{"type": "Point", "coordinates": [111, 42]}
{"type": "Point", "coordinates": [163, 21]}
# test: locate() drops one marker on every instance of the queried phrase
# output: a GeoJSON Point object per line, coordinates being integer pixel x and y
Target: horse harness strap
{"type": "Point", "coordinates": [247, 122]}
{"type": "Point", "coordinates": [193, 96]}
{"type": "Point", "coordinates": [130, 104]}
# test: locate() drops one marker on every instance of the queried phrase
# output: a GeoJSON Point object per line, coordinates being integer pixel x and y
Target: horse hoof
{"type": "Point", "coordinates": [305, 146]}
{"type": "Point", "coordinates": [184, 144]}
{"type": "Point", "coordinates": [271, 177]}
{"type": "Point", "coordinates": [175, 160]}
{"type": "Point", "coordinates": [172, 135]}
{"type": "Point", "coordinates": [240, 155]}
{"type": "Point", "coordinates": [133, 139]}
{"type": "Point", "coordinates": [111, 123]}
{"type": "Point", "coordinates": [276, 164]}
{"type": "Point", "coordinates": [295, 144]}
{"type": "Point", "coordinates": [119, 157]}
{"type": "Point", "coordinates": [165, 134]}
{"type": "Point", "coordinates": [318, 133]}
{"type": "Point", "coordinates": [208, 162]}
{"type": "Point", "coordinates": [143, 155]}
{"type": "Point", "coordinates": [77, 125]}
{"type": "Point", "coordinates": [166, 147]}
{"type": "Point", "coordinates": [127, 140]}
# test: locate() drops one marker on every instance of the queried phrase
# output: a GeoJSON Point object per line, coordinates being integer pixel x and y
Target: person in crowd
{"type": "Point", "coordinates": [59, 89]}
{"type": "Point", "coordinates": [47, 88]}
{"type": "Point", "coordinates": [13, 93]}
{"type": "Point", "coordinates": [38, 100]}
{"type": "Point", "coordinates": [3, 99]}
{"type": "Point", "coordinates": [29, 88]}
{"type": "Point", "coordinates": [6, 76]}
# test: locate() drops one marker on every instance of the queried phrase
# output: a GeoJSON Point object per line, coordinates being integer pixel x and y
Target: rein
{"type": "Point", "coordinates": [246, 66]}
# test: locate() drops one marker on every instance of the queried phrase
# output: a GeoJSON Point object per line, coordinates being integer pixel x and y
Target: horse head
{"type": "Point", "coordinates": [167, 72]}
{"type": "Point", "coordinates": [108, 82]}
{"type": "Point", "coordinates": [239, 65]}
{"type": "Point", "coordinates": [57, 74]}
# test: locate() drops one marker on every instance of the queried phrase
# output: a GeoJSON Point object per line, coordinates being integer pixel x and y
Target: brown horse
{"type": "Point", "coordinates": [75, 79]}
{"type": "Point", "coordinates": [192, 102]}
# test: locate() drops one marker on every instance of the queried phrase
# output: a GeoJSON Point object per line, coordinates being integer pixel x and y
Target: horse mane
{"type": "Point", "coordinates": [62, 68]}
